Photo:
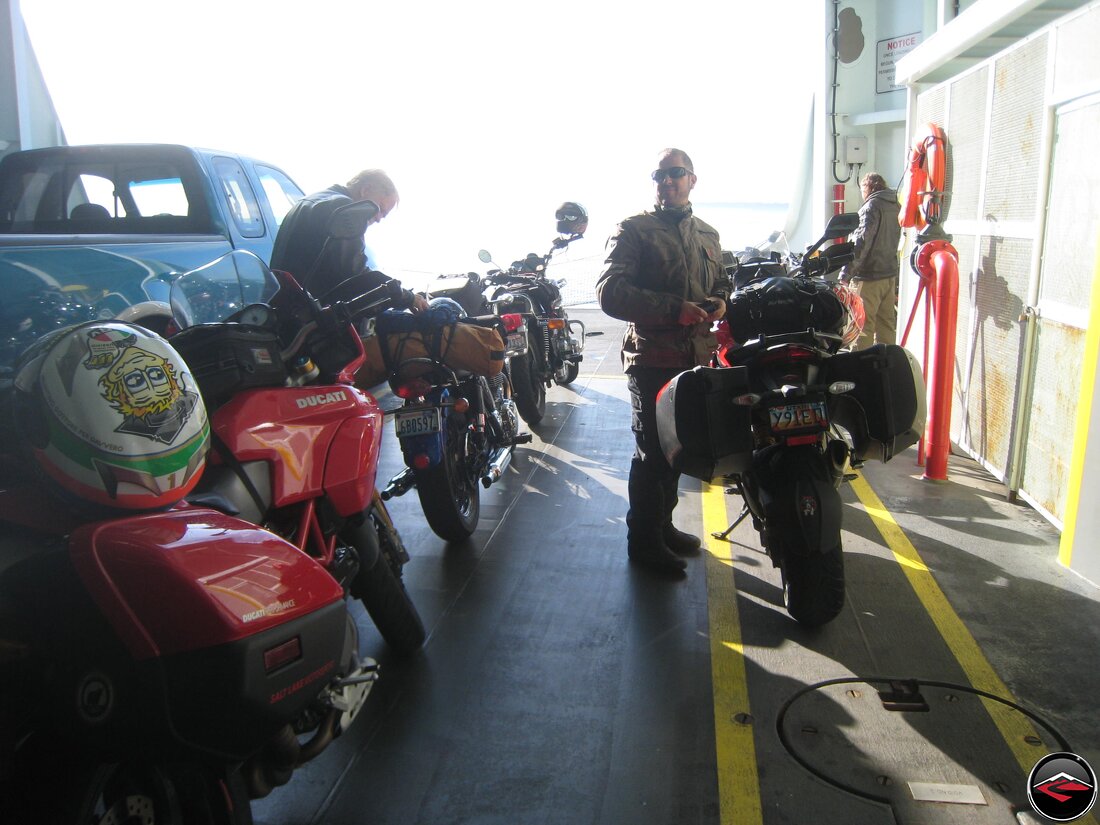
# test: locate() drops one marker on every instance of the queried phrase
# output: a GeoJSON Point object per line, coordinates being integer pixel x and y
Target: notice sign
{"type": "Point", "coordinates": [887, 55]}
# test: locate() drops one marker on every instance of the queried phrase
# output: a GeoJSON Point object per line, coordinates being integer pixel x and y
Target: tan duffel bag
{"type": "Point", "coordinates": [402, 342]}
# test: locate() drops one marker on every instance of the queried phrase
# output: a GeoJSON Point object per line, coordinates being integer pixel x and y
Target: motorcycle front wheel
{"type": "Point", "coordinates": [527, 388]}
{"type": "Point", "coordinates": [382, 591]}
{"type": "Point", "coordinates": [449, 492]}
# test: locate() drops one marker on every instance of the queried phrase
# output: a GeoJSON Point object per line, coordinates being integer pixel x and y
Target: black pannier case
{"type": "Point", "coordinates": [703, 433]}
{"type": "Point", "coordinates": [885, 413]}
{"type": "Point", "coordinates": [226, 358]}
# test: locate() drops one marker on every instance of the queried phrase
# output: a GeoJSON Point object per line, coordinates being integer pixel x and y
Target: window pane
{"type": "Point", "coordinates": [240, 198]}
{"type": "Point", "coordinates": [282, 193]}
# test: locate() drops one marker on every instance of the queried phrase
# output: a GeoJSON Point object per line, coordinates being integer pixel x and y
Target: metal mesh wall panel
{"type": "Point", "coordinates": [965, 245]}
{"type": "Point", "coordinates": [1072, 219]}
{"type": "Point", "coordinates": [1015, 132]}
{"type": "Point", "coordinates": [995, 350]}
{"type": "Point", "coordinates": [1052, 415]}
{"type": "Point", "coordinates": [931, 108]}
{"type": "Point", "coordinates": [1077, 58]}
{"type": "Point", "coordinates": [966, 145]}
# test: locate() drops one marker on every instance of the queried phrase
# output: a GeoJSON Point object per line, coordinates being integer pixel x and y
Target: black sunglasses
{"type": "Point", "coordinates": [673, 172]}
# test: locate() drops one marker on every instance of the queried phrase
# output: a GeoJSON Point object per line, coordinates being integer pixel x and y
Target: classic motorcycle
{"type": "Point", "coordinates": [784, 416]}
{"type": "Point", "coordinates": [296, 444]}
{"type": "Point", "coordinates": [160, 661]}
{"type": "Point", "coordinates": [556, 342]}
{"type": "Point", "coordinates": [456, 427]}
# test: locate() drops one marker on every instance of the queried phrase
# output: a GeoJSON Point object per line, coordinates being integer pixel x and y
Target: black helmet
{"type": "Point", "coordinates": [572, 218]}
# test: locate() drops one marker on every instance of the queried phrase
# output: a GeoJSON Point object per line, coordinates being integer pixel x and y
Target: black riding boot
{"type": "Point", "coordinates": [645, 542]}
{"type": "Point", "coordinates": [679, 542]}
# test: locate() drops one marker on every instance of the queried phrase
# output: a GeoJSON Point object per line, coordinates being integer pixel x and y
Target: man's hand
{"type": "Point", "coordinates": [693, 313]}
{"type": "Point", "coordinates": [719, 309]}
{"type": "Point", "coordinates": [419, 303]}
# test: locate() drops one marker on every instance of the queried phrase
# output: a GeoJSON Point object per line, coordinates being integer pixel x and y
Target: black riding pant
{"type": "Point", "coordinates": [652, 487]}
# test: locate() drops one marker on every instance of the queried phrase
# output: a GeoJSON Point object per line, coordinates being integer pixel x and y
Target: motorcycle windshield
{"type": "Point", "coordinates": [220, 289]}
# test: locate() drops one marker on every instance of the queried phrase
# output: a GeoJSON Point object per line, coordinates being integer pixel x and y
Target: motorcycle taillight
{"type": "Point", "coordinates": [282, 654]}
{"type": "Point", "coordinates": [788, 352]}
{"type": "Point", "coordinates": [415, 388]}
{"type": "Point", "coordinates": [512, 321]}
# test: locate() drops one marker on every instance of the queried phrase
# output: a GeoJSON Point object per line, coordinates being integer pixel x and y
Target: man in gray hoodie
{"type": "Point", "coordinates": [874, 272]}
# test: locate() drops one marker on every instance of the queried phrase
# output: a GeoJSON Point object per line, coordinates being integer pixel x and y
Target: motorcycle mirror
{"type": "Point", "coordinates": [351, 221]}
{"type": "Point", "coordinates": [484, 256]}
{"type": "Point", "coordinates": [839, 226]}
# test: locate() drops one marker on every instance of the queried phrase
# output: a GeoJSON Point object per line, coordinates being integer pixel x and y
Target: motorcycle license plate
{"type": "Point", "coordinates": [517, 342]}
{"type": "Point", "coordinates": [807, 416]}
{"type": "Point", "coordinates": [416, 422]}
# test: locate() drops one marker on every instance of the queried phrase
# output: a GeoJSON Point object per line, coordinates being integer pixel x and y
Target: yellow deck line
{"type": "Point", "coordinates": [738, 781]}
{"type": "Point", "coordinates": [738, 778]}
{"type": "Point", "coordinates": [1013, 726]}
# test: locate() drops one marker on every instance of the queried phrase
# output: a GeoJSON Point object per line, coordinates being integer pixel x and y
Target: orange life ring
{"type": "Point", "coordinates": [922, 188]}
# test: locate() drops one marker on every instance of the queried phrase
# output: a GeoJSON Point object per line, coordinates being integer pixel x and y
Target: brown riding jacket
{"type": "Point", "coordinates": [656, 260]}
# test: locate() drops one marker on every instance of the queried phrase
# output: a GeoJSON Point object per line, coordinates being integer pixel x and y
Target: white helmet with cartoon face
{"type": "Point", "coordinates": [113, 416]}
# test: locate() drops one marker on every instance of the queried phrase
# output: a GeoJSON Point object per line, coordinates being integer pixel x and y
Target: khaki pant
{"type": "Point", "coordinates": [880, 306]}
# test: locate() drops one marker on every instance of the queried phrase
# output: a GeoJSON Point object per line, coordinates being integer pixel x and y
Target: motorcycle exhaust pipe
{"type": "Point", "coordinates": [497, 467]}
{"type": "Point", "coordinates": [399, 485]}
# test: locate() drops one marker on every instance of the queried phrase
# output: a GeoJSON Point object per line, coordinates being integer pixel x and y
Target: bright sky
{"type": "Point", "coordinates": [486, 114]}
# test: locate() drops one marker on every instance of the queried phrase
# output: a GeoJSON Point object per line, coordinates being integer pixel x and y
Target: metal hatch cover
{"type": "Point", "coordinates": [928, 750]}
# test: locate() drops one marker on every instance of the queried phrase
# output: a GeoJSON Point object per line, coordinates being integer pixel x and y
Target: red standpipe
{"type": "Point", "coordinates": [937, 262]}
{"type": "Point", "coordinates": [838, 198]}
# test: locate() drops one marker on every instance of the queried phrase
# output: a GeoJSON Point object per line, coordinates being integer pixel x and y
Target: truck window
{"type": "Point", "coordinates": [163, 196]}
{"type": "Point", "coordinates": [62, 194]}
{"type": "Point", "coordinates": [239, 197]}
{"type": "Point", "coordinates": [282, 193]}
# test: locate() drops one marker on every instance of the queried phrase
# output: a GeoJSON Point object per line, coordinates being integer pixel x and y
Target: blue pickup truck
{"type": "Point", "coordinates": [92, 231]}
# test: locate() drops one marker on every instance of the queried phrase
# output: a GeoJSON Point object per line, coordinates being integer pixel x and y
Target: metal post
{"type": "Point", "coordinates": [938, 262]}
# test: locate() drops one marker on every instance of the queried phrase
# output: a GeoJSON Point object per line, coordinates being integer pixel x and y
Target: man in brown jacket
{"type": "Point", "coordinates": [874, 272]}
{"type": "Point", "coordinates": [663, 274]}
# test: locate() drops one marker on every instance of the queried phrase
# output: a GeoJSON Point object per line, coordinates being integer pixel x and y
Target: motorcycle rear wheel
{"type": "Point", "coordinates": [86, 791]}
{"type": "Point", "coordinates": [528, 390]}
{"type": "Point", "coordinates": [813, 585]}
{"type": "Point", "coordinates": [449, 492]}
{"type": "Point", "coordinates": [383, 594]}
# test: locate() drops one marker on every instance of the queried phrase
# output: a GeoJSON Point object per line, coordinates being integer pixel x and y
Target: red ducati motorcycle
{"type": "Point", "coordinates": [295, 442]}
{"type": "Point", "coordinates": [160, 661]}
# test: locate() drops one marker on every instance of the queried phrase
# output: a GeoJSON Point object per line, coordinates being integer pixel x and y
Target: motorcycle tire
{"type": "Point", "coordinates": [813, 586]}
{"type": "Point", "coordinates": [70, 789]}
{"type": "Point", "coordinates": [528, 390]}
{"type": "Point", "coordinates": [449, 492]}
{"type": "Point", "coordinates": [382, 591]}
{"type": "Point", "coordinates": [812, 569]}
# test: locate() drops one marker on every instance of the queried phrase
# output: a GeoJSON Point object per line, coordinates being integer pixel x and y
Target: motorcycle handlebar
{"type": "Point", "coordinates": [831, 259]}
{"type": "Point", "coordinates": [388, 295]}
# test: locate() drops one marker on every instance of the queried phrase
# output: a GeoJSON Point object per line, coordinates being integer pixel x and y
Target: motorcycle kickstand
{"type": "Point", "coordinates": [725, 534]}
